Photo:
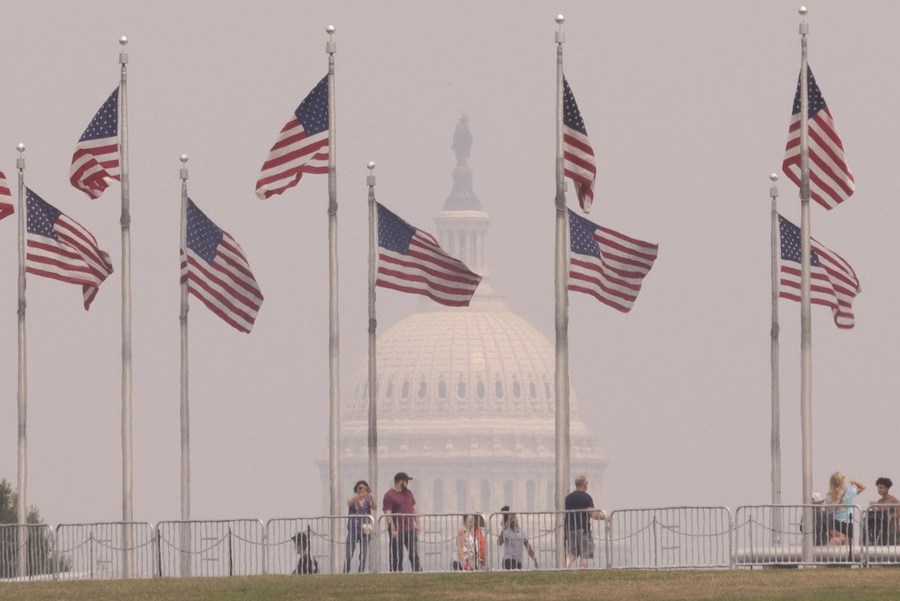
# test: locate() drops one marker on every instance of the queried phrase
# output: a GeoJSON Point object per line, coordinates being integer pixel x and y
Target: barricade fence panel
{"type": "Point", "coordinates": [531, 540]}
{"type": "Point", "coordinates": [105, 551]}
{"type": "Point", "coordinates": [210, 548]}
{"type": "Point", "coordinates": [773, 535]}
{"type": "Point", "coordinates": [881, 543]}
{"type": "Point", "coordinates": [670, 537]}
{"type": "Point", "coordinates": [307, 545]}
{"type": "Point", "coordinates": [27, 552]}
{"type": "Point", "coordinates": [430, 542]}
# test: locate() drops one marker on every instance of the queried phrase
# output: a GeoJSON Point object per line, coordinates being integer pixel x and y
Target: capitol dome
{"type": "Point", "coordinates": [465, 395]}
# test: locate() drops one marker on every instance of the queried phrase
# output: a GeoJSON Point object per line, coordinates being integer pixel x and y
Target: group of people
{"type": "Point", "coordinates": [401, 517]}
{"type": "Point", "coordinates": [834, 521]}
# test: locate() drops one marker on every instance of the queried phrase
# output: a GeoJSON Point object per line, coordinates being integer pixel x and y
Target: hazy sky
{"type": "Point", "coordinates": [687, 105]}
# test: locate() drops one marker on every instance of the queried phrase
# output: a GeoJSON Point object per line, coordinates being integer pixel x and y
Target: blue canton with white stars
{"type": "Point", "coordinates": [816, 101]}
{"type": "Point", "coordinates": [203, 236]}
{"type": "Point", "coordinates": [313, 111]}
{"type": "Point", "coordinates": [105, 123]}
{"type": "Point", "coordinates": [571, 115]}
{"type": "Point", "coordinates": [790, 243]}
{"type": "Point", "coordinates": [581, 237]}
{"type": "Point", "coordinates": [394, 234]}
{"type": "Point", "coordinates": [41, 215]}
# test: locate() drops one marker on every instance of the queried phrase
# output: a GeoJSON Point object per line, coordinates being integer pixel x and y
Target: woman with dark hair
{"type": "Point", "coordinates": [514, 542]}
{"type": "Point", "coordinates": [359, 528]}
{"type": "Point", "coordinates": [470, 550]}
{"type": "Point", "coordinates": [306, 564]}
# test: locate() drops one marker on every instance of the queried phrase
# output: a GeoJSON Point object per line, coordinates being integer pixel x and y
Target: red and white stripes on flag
{"type": "Point", "coordinates": [58, 247]}
{"type": "Point", "coordinates": [411, 260]}
{"type": "Point", "coordinates": [578, 154]}
{"type": "Point", "coordinates": [217, 272]}
{"type": "Point", "coordinates": [830, 179]}
{"type": "Point", "coordinates": [832, 282]}
{"type": "Point", "coordinates": [301, 147]}
{"type": "Point", "coordinates": [606, 264]}
{"type": "Point", "coordinates": [6, 206]}
{"type": "Point", "coordinates": [95, 161]}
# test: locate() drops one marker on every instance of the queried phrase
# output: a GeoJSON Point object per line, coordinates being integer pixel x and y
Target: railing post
{"type": "Point", "coordinates": [230, 556]}
{"type": "Point", "coordinates": [158, 538]}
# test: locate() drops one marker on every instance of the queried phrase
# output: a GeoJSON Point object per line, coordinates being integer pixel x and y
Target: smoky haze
{"type": "Point", "coordinates": [687, 105]}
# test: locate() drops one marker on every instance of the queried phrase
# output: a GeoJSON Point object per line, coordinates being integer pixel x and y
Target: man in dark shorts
{"type": "Point", "coordinates": [579, 512]}
{"type": "Point", "coordinates": [404, 527]}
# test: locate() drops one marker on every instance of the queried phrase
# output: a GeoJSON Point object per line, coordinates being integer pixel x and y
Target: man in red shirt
{"type": "Point", "coordinates": [399, 507]}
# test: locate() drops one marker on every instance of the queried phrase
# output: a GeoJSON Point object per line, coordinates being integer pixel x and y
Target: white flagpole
{"type": "Point", "coordinates": [776, 400]}
{"type": "Point", "coordinates": [22, 396]}
{"type": "Point", "coordinates": [805, 313]}
{"type": "Point", "coordinates": [373, 369]}
{"type": "Point", "coordinates": [125, 222]}
{"type": "Point", "coordinates": [185, 399]}
{"type": "Point", "coordinates": [334, 449]}
{"type": "Point", "coordinates": [562, 308]}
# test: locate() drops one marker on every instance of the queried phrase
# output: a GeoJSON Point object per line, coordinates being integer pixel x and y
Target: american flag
{"type": "Point", "coordinates": [301, 147]}
{"type": "Point", "coordinates": [58, 247]}
{"type": "Point", "coordinates": [606, 264]}
{"type": "Point", "coordinates": [217, 272]}
{"type": "Point", "coordinates": [96, 159]}
{"type": "Point", "coordinates": [411, 260]}
{"type": "Point", "coordinates": [6, 205]}
{"type": "Point", "coordinates": [830, 179]}
{"type": "Point", "coordinates": [578, 155]}
{"type": "Point", "coordinates": [832, 282]}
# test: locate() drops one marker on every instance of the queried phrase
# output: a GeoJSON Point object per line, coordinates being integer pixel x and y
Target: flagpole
{"type": "Point", "coordinates": [805, 313]}
{"type": "Point", "coordinates": [776, 400]}
{"type": "Point", "coordinates": [334, 331]}
{"type": "Point", "coordinates": [22, 396]}
{"type": "Point", "coordinates": [562, 308]}
{"type": "Point", "coordinates": [125, 221]}
{"type": "Point", "coordinates": [373, 365]}
{"type": "Point", "coordinates": [185, 398]}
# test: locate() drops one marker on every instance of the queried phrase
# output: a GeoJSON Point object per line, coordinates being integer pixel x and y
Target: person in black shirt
{"type": "Point", "coordinates": [306, 564]}
{"type": "Point", "coordinates": [579, 512]}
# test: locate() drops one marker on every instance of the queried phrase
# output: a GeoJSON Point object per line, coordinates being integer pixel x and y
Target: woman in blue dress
{"type": "Point", "coordinates": [359, 529]}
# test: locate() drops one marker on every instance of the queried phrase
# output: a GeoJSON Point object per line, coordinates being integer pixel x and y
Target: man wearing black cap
{"type": "Point", "coordinates": [400, 502]}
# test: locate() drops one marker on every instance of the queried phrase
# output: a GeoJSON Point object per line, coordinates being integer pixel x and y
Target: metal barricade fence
{"type": "Point", "coordinates": [291, 540]}
{"type": "Point", "coordinates": [539, 530]}
{"type": "Point", "coordinates": [99, 551]}
{"type": "Point", "coordinates": [773, 535]}
{"type": "Point", "coordinates": [880, 539]}
{"type": "Point", "coordinates": [26, 552]}
{"type": "Point", "coordinates": [210, 548]}
{"type": "Point", "coordinates": [670, 537]}
{"type": "Point", "coordinates": [432, 547]}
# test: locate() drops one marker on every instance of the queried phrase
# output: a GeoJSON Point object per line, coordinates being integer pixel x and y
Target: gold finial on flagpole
{"type": "Point", "coordinates": [560, 34]}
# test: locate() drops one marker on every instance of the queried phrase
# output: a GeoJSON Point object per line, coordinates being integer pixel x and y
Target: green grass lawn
{"type": "Point", "coordinates": [824, 584]}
